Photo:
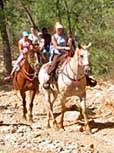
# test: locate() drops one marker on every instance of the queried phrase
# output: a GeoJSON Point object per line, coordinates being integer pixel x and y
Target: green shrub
{"type": "Point", "coordinates": [102, 61]}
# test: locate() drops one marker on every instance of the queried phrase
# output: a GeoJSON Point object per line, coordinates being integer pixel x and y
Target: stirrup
{"type": "Point", "coordinates": [46, 85]}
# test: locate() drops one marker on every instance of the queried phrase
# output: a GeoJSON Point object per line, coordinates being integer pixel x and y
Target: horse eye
{"type": "Point", "coordinates": [81, 56]}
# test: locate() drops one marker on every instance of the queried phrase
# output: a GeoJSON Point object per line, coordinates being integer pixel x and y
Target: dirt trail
{"type": "Point", "coordinates": [19, 136]}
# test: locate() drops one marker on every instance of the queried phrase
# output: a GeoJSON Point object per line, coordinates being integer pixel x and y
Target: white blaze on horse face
{"type": "Point", "coordinates": [36, 59]}
{"type": "Point", "coordinates": [85, 59]}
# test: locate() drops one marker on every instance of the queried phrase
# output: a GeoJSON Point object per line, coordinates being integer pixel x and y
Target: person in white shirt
{"type": "Point", "coordinates": [41, 41]}
{"type": "Point", "coordinates": [33, 36]}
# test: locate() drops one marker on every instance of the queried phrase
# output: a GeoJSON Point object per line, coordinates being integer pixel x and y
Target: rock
{"type": "Point", "coordinates": [111, 88]}
{"type": "Point", "coordinates": [13, 130]}
{"type": "Point", "coordinates": [60, 149]}
{"type": "Point", "coordinates": [1, 122]}
{"type": "Point", "coordinates": [2, 142]}
{"type": "Point", "coordinates": [91, 149]}
{"type": "Point", "coordinates": [98, 94]}
{"type": "Point", "coordinates": [23, 129]}
{"type": "Point", "coordinates": [71, 116]}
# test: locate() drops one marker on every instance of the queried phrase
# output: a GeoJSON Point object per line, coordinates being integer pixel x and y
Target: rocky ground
{"type": "Point", "coordinates": [19, 136]}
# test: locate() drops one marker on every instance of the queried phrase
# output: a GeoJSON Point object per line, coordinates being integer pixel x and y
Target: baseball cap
{"type": "Point", "coordinates": [58, 26]}
{"type": "Point", "coordinates": [39, 33]}
{"type": "Point", "coordinates": [25, 33]}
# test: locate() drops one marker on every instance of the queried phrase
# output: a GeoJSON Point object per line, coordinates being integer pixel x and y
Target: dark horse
{"type": "Point", "coordinates": [26, 80]}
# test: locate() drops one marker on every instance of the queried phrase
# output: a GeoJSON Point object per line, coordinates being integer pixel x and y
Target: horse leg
{"type": "Point", "coordinates": [47, 98]}
{"type": "Point", "coordinates": [63, 108]}
{"type": "Point", "coordinates": [50, 108]}
{"type": "Point", "coordinates": [80, 117]}
{"type": "Point", "coordinates": [24, 103]}
{"type": "Point", "coordinates": [54, 93]}
{"type": "Point", "coordinates": [84, 112]}
{"type": "Point", "coordinates": [32, 95]}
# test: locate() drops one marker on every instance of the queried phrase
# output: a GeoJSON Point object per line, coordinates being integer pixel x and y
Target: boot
{"type": "Point", "coordinates": [15, 68]}
{"type": "Point", "coordinates": [46, 85]}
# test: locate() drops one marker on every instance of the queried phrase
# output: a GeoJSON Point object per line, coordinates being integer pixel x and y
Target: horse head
{"type": "Point", "coordinates": [33, 59]}
{"type": "Point", "coordinates": [84, 57]}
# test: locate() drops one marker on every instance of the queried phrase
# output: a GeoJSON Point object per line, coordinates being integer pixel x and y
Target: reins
{"type": "Point", "coordinates": [67, 62]}
{"type": "Point", "coordinates": [28, 75]}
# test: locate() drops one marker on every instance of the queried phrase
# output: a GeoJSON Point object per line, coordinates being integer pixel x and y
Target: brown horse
{"type": "Point", "coordinates": [26, 80]}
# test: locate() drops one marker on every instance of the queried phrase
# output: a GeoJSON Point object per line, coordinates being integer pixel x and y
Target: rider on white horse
{"type": "Point", "coordinates": [58, 49]}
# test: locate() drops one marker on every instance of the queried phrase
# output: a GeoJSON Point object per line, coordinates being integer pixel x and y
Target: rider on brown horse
{"type": "Point", "coordinates": [25, 45]}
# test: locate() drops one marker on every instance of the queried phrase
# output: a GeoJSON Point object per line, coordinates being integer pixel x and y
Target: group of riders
{"type": "Point", "coordinates": [52, 46]}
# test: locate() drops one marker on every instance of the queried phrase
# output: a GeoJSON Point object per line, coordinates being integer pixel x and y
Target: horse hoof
{"type": "Point", "coordinates": [61, 127]}
{"type": "Point", "coordinates": [31, 121]}
{"type": "Point", "coordinates": [24, 117]}
{"type": "Point", "coordinates": [47, 126]}
{"type": "Point", "coordinates": [81, 129]}
{"type": "Point", "coordinates": [55, 126]}
{"type": "Point", "coordinates": [85, 130]}
{"type": "Point", "coordinates": [88, 131]}
{"type": "Point", "coordinates": [80, 117]}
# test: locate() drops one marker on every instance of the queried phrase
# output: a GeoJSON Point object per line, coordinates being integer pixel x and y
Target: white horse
{"type": "Point", "coordinates": [71, 82]}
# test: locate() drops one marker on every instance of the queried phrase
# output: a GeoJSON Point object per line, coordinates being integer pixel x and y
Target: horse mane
{"type": "Point", "coordinates": [31, 59]}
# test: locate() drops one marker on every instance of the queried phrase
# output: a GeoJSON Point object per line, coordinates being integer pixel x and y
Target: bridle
{"type": "Point", "coordinates": [26, 74]}
{"type": "Point", "coordinates": [74, 80]}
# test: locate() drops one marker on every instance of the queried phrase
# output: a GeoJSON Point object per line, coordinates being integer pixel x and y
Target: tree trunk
{"type": "Point", "coordinates": [5, 40]}
{"type": "Point", "coordinates": [29, 15]}
{"type": "Point", "coordinates": [58, 14]}
{"type": "Point", "coordinates": [68, 16]}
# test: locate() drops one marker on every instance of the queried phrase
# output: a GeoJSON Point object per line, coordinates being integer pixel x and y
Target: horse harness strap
{"type": "Point", "coordinates": [28, 76]}
{"type": "Point", "coordinates": [74, 80]}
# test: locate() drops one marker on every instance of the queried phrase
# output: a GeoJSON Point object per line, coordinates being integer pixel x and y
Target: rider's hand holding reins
{"type": "Point", "coordinates": [25, 50]}
{"type": "Point", "coordinates": [67, 48]}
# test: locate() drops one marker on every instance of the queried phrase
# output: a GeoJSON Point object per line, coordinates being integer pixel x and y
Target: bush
{"type": "Point", "coordinates": [102, 61]}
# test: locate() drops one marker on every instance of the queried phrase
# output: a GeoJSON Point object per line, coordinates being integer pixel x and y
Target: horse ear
{"type": "Point", "coordinates": [79, 46]}
{"type": "Point", "coordinates": [89, 45]}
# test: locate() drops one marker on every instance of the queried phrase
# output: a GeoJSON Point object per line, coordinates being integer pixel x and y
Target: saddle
{"type": "Point", "coordinates": [55, 73]}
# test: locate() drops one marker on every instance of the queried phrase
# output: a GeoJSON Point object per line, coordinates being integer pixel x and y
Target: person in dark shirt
{"type": "Point", "coordinates": [47, 38]}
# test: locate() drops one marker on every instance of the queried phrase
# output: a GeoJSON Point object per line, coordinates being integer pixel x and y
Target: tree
{"type": "Point", "coordinates": [5, 40]}
{"type": "Point", "coordinates": [68, 16]}
{"type": "Point", "coordinates": [58, 14]}
{"type": "Point", "coordinates": [27, 11]}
